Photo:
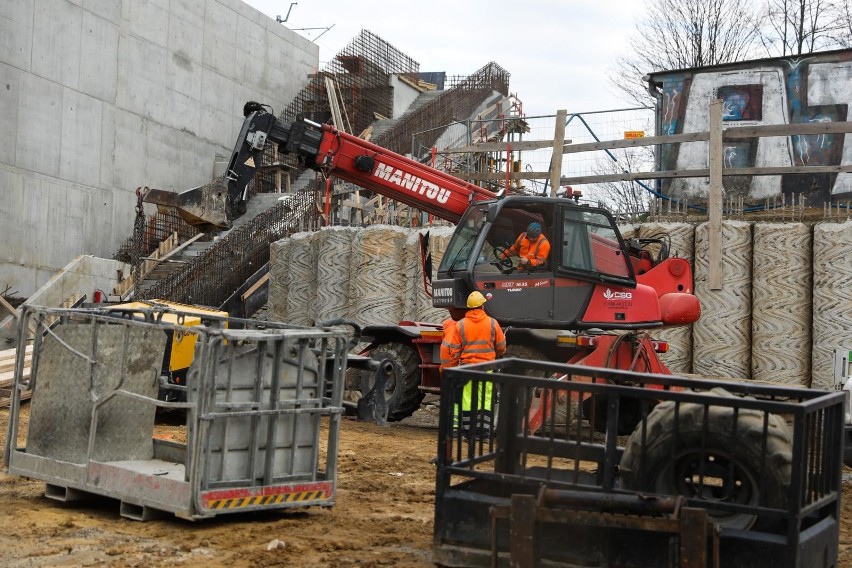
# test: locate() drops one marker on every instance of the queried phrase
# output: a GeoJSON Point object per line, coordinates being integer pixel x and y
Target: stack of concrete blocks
{"type": "Point", "coordinates": [832, 298]}
{"type": "Point", "coordinates": [333, 253]}
{"type": "Point", "coordinates": [302, 273]}
{"type": "Point", "coordinates": [439, 238]}
{"type": "Point", "coordinates": [372, 276]}
{"type": "Point", "coordinates": [377, 281]}
{"type": "Point", "coordinates": [681, 244]}
{"type": "Point", "coordinates": [780, 314]}
{"type": "Point", "coordinates": [722, 335]}
{"type": "Point", "coordinates": [781, 304]}
{"type": "Point", "coordinates": [279, 280]}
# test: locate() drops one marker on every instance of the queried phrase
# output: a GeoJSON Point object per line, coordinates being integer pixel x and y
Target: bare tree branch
{"type": "Point", "coordinates": [793, 27]}
{"type": "Point", "coordinates": [679, 34]}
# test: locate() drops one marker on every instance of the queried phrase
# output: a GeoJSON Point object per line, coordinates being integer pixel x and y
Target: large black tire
{"type": "Point", "coordinates": [402, 391]}
{"type": "Point", "coordinates": [674, 459]}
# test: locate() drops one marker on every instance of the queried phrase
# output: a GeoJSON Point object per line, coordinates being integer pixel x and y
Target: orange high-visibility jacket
{"type": "Point", "coordinates": [535, 250]}
{"type": "Point", "coordinates": [448, 325]}
{"type": "Point", "coordinates": [474, 339]}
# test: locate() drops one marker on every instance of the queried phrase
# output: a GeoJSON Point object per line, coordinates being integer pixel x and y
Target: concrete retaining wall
{"type": "Point", "coordinates": [101, 97]}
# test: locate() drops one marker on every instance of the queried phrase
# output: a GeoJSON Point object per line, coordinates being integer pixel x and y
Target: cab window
{"type": "Point", "coordinates": [590, 244]}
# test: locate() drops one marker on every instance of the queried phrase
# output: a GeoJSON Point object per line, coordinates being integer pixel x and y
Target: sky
{"type": "Point", "coordinates": [559, 53]}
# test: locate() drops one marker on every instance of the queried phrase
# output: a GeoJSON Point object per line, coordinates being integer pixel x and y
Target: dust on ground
{"type": "Point", "coordinates": [383, 516]}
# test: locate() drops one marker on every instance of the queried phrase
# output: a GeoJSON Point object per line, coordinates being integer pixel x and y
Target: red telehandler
{"type": "Point", "coordinates": [582, 318]}
{"type": "Point", "coordinates": [566, 310]}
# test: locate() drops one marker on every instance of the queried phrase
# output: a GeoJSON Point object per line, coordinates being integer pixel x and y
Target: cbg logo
{"type": "Point", "coordinates": [610, 295]}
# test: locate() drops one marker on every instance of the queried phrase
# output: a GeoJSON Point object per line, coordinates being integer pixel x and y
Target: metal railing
{"type": "Point", "coordinates": [764, 461]}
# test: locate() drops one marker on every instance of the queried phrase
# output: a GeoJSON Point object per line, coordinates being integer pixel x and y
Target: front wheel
{"type": "Point", "coordinates": [713, 454]}
{"type": "Point", "coordinates": [402, 390]}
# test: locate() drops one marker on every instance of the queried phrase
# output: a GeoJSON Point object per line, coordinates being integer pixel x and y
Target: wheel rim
{"type": "Point", "coordinates": [713, 476]}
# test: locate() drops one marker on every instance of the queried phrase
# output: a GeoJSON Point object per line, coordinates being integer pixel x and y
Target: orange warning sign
{"type": "Point", "coordinates": [634, 134]}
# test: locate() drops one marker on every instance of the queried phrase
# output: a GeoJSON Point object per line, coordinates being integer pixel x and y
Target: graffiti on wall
{"type": "Point", "coordinates": [789, 90]}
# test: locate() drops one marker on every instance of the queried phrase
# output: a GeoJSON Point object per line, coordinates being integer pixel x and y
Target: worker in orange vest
{"type": "Point", "coordinates": [475, 338]}
{"type": "Point", "coordinates": [531, 246]}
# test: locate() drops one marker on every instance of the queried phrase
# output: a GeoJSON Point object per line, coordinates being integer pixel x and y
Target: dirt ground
{"type": "Point", "coordinates": [382, 517]}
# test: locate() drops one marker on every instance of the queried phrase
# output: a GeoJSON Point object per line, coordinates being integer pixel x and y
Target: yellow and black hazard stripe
{"type": "Point", "coordinates": [266, 500]}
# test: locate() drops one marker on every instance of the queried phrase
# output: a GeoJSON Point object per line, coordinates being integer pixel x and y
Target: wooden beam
{"type": "Point", "coordinates": [501, 176]}
{"type": "Point", "coordinates": [518, 146]}
{"type": "Point", "coordinates": [730, 133]}
{"type": "Point", "coordinates": [714, 201]}
{"type": "Point", "coordinates": [556, 157]}
{"type": "Point", "coordinates": [247, 294]}
{"type": "Point", "coordinates": [704, 172]}
{"type": "Point", "coordinates": [9, 307]}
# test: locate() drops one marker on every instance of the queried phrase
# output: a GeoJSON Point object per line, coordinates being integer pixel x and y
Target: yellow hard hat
{"type": "Point", "coordinates": [475, 299]}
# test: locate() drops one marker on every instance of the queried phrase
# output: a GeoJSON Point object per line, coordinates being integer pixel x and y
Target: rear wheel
{"type": "Point", "coordinates": [402, 390]}
{"type": "Point", "coordinates": [686, 453]}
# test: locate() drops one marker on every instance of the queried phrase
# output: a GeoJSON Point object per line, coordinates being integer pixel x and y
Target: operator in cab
{"type": "Point", "coordinates": [531, 246]}
{"type": "Point", "coordinates": [475, 338]}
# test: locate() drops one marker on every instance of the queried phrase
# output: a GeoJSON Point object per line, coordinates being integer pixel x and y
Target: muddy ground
{"type": "Point", "coordinates": [382, 517]}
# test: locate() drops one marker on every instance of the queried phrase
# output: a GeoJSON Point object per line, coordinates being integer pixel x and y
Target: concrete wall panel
{"type": "Point", "coordinates": [109, 10]}
{"type": "Point", "coordinates": [39, 117]}
{"type": "Point", "coordinates": [99, 67]}
{"type": "Point", "coordinates": [144, 74]}
{"type": "Point", "coordinates": [107, 171]}
{"type": "Point", "coordinates": [189, 11]}
{"type": "Point", "coordinates": [10, 84]}
{"type": "Point", "coordinates": [16, 33]}
{"type": "Point", "coordinates": [129, 150]}
{"type": "Point", "coordinates": [220, 38]}
{"type": "Point", "coordinates": [57, 29]}
{"type": "Point", "coordinates": [80, 139]}
{"type": "Point", "coordinates": [100, 97]}
{"type": "Point", "coordinates": [149, 20]}
{"type": "Point", "coordinates": [186, 40]}
{"type": "Point", "coordinates": [217, 106]}
{"type": "Point", "coordinates": [12, 192]}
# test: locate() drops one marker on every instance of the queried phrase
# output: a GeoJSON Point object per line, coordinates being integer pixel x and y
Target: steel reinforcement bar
{"type": "Point", "coordinates": [209, 279]}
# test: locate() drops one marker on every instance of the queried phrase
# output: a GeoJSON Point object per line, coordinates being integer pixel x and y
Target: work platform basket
{"type": "Point", "coordinates": [544, 464]}
{"type": "Point", "coordinates": [262, 412]}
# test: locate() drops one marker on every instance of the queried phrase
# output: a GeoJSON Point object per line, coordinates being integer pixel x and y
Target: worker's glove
{"type": "Point", "coordinates": [525, 260]}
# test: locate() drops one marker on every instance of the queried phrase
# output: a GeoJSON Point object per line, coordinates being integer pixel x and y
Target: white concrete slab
{"type": "Point", "coordinates": [80, 148]}
{"type": "Point", "coordinates": [10, 79]}
{"type": "Point", "coordinates": [57, 29]}
{"type": "Point", "coordinates": [99, 68]}
{"type": "Point", "coordinates": [149, 21]}
{"type": "Point", "coordinates": [16, 32]}
{"type": "Point", "coordinates": [39, 113]}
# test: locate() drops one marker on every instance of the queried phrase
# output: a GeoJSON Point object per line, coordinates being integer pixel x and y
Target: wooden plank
{"type": "Point", "coordinates": [556, 157]}
{"type": "Point", "coordinates": [502, 176]}
{"type": "Point", "coordinates": [263, 280]}
{"type": "Point", "coordinates": [10, 353]}
{"type": "Point", "coordinates": [714, 202]}
{"type": "Point", "coordinates": [9, 307]}
{"type": "Point", "coordinates": [517, 146]}
{"type": "Point", "coordinates": [8, 376]}
{"type": "Point", "coordinates": [802, 129]}
{"type": "Point", "coordinates": [5, 402]}
{"type": "Point", "coordinates": [705, 172]}
{"type": "Point", "coordinates": [9, 364]}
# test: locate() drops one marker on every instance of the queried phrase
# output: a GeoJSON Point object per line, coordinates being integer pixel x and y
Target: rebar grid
{"type": "Point", "coordinates": [456, 103]}
{"type": "Point", "coordinates": [209, 279]}
{"type": "Point", "coordinates": [361, 71]}
{"type": "Point", "coordinates": [158, 227]}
